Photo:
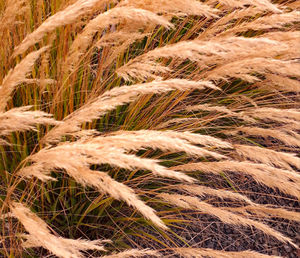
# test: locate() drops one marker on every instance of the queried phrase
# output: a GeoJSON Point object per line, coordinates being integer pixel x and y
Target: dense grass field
{"type": "Point", "coordinates": [138, 128]}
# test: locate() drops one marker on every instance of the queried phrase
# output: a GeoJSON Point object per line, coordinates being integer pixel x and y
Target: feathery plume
{"type": "Point", "coordinates": [174, 7]}
{"type": "Point", "coordinates": [206, 252]}
{"type": "Point", "coordinates": [188, 202]}
{"type": "Point", "coordinates": [284, 136]}
{"type": "Point", "coordinates": [288, 116]}
{"type": "Point", "coordinates": [40, 235]}
{"type": "Point", "coordinates": [285, 180]}
{"type": "Point", "coordinates": [112, 16]}
{"type": "Point", "coordinates": [75, 158]}
{"type": "Point", "coordinates": [64, 17]}
{"type": "Point", "coordinates": [260, 5]}
{"type": "Point", "coordinates": [12, 10]}
{"type": "Point", "coordinates": [263, 211]}
{"type": "Point", "coordinates": [164, 140]}
{"type": "Point", "coordinates": [220, 193]}
{"type": "Point", "coordinates": [245, 68]}
{"type": "Point", "coordinates": [268, 157]}
{"type": "Point", "coordinates": [116, 97]}
{"type": "Point", "coordinates": [88, 152]}
{"type": "Point", "coordinates": [220, 109]}
{"type": "Point", "coordinates": [105, 184]}
{"type": "Point", "coordinates": [260, 210]}
{"type": "Point", "coordinates": [134, 253]}
{"type": "Point", "coordinates": [205, 53]}
{"type": "Point", "coordinates": [281, 83]}
{"type": "Point", "coordinates": [17, 75]}
{"type": "Point", "coordinates": [275, 21]}
{"type": "Point", "coordinates": [21, 119]}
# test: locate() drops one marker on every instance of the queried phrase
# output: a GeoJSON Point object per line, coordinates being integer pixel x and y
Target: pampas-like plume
{"type": "Point", "coordinates": [288, 116]}
{"type": "Point", "coordinates": [285, 180]}
{"type": "Point", "coordinates": [220, 193]}
{"type": "Point", "coordinates": [280, 135]}
{"type": "Point", "coordinates": [205, 53]}
{"type": "Point", "coordinates": [260, 5]}
{"type": "Point", "coordinates": [116, 97]}
{"type": "Point", "coordinates": [188, 202]}
{"type": "Point", "coordinates": [174, 7]}
{"type": "Point", "coordinates": [260, 210]}
{"type": "Point", "coordinates": [17, 75]}
{"type": "Point", "coordinates": [268, 157]}
{"type": "Point", "coordinates": [164, 140]}
{"type": "Point", "coordinates": [263, 210]}
{"type": "Point", "coordinates": [40, 235]}
{"type": "Point", "coordinates": [119, 41]}
{"type": "Point", "coordinates": [281, 83]}
{"type": "Point", "coordinates": [90, 151]}
{"type": "Point", "coordinates": [112, 16]}
{"type": "Point", "coordinates": [220, 109]}
{"type": "Point", "coordinates": [205, 140]}
{"type": "Point", "coordinates": [134, 253]}
{"type": "Point", "coordinates": [245, 68]}
{"type": "Point", "coordinates": [21, 119]}
{"type": "Point", "coordinates": [67, 16]}
{"type": "Point", "coordinates": [206, 252]}
{"type": "Point", "coordinates": [75, 158]}
{"type": "Point", "coordinates": [264, 23]}
{"type": "Point", "coordinates": [222, 24]}
{"type": "Point", "coordinates": [290, 38]}
{"type": "Point", "coordinates": [12, 10]}
{"type": "Point", "coordinates": [105, 184]}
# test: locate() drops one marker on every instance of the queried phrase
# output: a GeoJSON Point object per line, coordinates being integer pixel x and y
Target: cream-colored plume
{"type": "Point", "coordinates": [40, 235]}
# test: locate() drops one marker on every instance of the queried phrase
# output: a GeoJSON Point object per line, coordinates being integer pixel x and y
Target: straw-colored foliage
{"type": "Point", "coordinates": [137, 101]}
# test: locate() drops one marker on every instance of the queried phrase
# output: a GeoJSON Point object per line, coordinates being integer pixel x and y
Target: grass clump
{"type": "Point", "coordinates": [113, 114]}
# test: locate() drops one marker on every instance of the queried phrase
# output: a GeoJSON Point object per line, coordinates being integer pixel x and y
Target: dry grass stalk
{"type": "Point", "coordinates": [205, 53]}
{"type": "Point", "coordinates": [21, 119]}
{"type": "Point", "coordinates": [220, 193]}
{"type": "Point", "coordinates": [257, 209]}
{"type": "Point", "coordinates": [134, 253]}
{"type": "Point", "coordinates": [205, 140]}
{"type": "Point", "coordinates": [105, 184]}
{"type": "Point", "coordinates": [188, 202]}
{"type": "Point", "coordinates": [288, 116]}
{"type": "Point", "coordinates": [220, 109]}
{"type": "Point", "coordinates": [274, 21]}
{"type": "Point", "coordinates": [284, 136]}
{"type": "Point", "coordinates": [229, 18]}
{"type": "Point", "coordinates": [88, 152]}
{"type": "Point", "coordinates": [269, 157]}
{"type": "Point", "coordinates": [75, 158]}
{"type": "Point", "coordinates": [116, 97]}
{"type": "Point", "coordinates": [40, 235]}
{"type": "Point", "coordinates": [164, 140]}
{"type": "Point", "coordinates": [206, 252]}
{"type": "Point", "coordinates": [285, 180]}
{"type": "Point", "coordinates": [263, 211]}
{"type": "Point", "coordinates": [290, 38]}
{"type": "Point", "coordinates": [9, 17]}
{"type": "Point", "coordinates": [67, 16]}
{"type": "Point", "coordinates": [281, 83]}
{"type": "Point", "coordinates": [260, 5]}
{"type": "Point", "coordinates": [174, 7]}
{"type": "Point", "coordinates": [118, 42]}
{"type": "Point", "coordinates": [245, 68]}
{"type": "Point", "coordinates": [17, 75]}
{"type": "Point", "coordinates": [113, 16]}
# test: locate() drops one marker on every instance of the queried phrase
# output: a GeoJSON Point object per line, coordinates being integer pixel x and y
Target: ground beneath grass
{"type": "Point", "coordinates": [208, 232]}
